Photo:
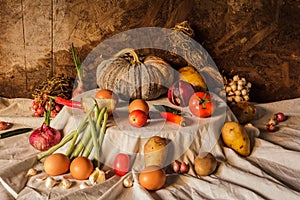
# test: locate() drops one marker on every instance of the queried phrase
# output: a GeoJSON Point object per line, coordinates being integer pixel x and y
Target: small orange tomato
{"type": "Point", "coordinates": [152, 177]}
{"type": "Point", "coordinates": [81, 168]}
{"type": "Point", "coordinates": [109, 98]}
{"type": "Point", "coordinates": [106, 94]}
{"type": "Point", "coordinates": [139, 104]}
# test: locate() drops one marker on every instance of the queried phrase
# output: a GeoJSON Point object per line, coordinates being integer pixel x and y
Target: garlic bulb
{"type": "Point", "coordinates": [237, 89]}
{"type": "Point", "coordinates": [50, 182]}
{"type": "Point", "coordinates": [97, 176]}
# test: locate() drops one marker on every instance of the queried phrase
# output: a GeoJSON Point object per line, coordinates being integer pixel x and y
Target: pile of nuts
{"type": "Point", "coordinates": [237, 89]}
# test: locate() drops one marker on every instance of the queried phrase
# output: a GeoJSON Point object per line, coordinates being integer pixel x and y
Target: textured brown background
{"type": "Point", "coordinates": [257, 39]}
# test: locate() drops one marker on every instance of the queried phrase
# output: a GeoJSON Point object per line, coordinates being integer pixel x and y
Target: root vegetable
{"type": "Point", "coordinates": [235, 137]}
{"type": "Point", "coordinates": [205, 164]}
{"type": "Point", "coordinates": [45, 137]}
{"type": "Point", "coordinates": [177, 119]}
{"type": "Point", "coordinates": [155, 151]}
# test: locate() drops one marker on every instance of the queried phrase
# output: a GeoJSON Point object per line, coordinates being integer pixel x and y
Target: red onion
{"type": "Point", "coordinates": [279, 117]}
{"type": "Point", "coordinates": [44, 137]}
{"type": "Point", "coordinates": [180, 92]}
{"type": "Point", "coordinates": [184, 167]}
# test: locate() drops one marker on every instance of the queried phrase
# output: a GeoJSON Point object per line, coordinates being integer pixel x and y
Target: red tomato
{"type": "Point", "coordinates": [121, 164]}
{"type": "Point", "coordinates": [137, 118]}
{"type": "Point", "coordinates": [201, 105]}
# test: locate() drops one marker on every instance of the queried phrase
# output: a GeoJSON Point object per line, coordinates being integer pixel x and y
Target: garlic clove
{"type": "Point", "coordinates": [128, 182]}
{"type": "Point", "coordinates": [233, 87]}
{"type": "Point", "coordinates": [230, 99]}
{"type": "Point", "coordinates": [237, 93]}
{"type": "Point", "coordinates": [246, 97]}
{"type": "Point", "coordinates": [31, 172]}
{"type": "Point", "coordinates": [238, 99]}
{"type": "Point", "coordinates": [50, 182]}
{"type": "Point", "coordinates": [83, 185]}
{"type": "Point", "coordinates": [244, 81]}
{"type": "Point", "coordinates": [228, 89]}
{"type": "Point", "coordinates": [240, 82]}
{"type": "Point", "coordinates": [239, 87]}
{"type": "Point", "coordinates": [230, 93]}
{"type": "Point", "coordinates": [244, 92]}
{"type": "Point", "coordinates": [249, 85]}
{"type": "Point", "coordinates": [66, 183]}
{"type": "Point", "coordinates": [236, 78]}
{"type": "Point", "coordinates": [97, 176]}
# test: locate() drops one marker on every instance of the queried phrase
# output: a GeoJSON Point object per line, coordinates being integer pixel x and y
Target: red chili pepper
{"type": "Point", "coordinates": [174, 118]}
{"type": "Point", "coordinates": [66, 102]}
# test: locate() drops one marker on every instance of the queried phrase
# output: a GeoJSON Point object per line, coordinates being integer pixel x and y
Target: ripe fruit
{"type": "Point", "coordinates": [121, 164]}
{"type": "Point", "coordinates": [56, 164]}
{"type": "Point", "coordinates": [81, 168]}
{"type": "Point", "coordinates": [152, 177]}
{"type": "Point", "coordinates": [139, 104]}
{"type": "Point", "coordinates": [201, 105]}
{"type": "Point", "coordinates": [137, 118]}
{"type": "Point", "coordinates": [106, 94]}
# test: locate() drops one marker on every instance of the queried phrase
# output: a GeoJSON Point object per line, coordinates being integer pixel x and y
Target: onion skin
{"type": "Point", "coordinates": [44, 137]}
{"type": "Point", "coordinates": [180, 92]}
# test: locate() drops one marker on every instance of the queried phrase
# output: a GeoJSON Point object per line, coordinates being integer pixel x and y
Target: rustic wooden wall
{"type": "Point", "coordinates": [258, 39]}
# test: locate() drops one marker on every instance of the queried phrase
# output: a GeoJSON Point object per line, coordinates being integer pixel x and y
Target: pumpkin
{"type": "Point", "coordinates": [133, 78]}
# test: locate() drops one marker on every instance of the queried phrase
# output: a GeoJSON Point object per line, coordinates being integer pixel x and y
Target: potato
{"type": "Point", "coordinates": [155, 151]}
{"type": "Point", "coordinates": [234, 135]}
{"type": "Point", "coordinates": [205, 164]}
{"type": "Point", "coordinates": [244, 111]}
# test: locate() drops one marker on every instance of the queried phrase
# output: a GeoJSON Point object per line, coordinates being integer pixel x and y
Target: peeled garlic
{"type": "Point", "coordinates": [65, 183]}
{"type": "Point", "coordinates": [228, 89]}
{"type": "Point", "coordinates": [237, 93]}
{"type": "Point", "coordinates": [236, 78]}
{"type": "Point", "coordinates": [246, 97]}
{"type": "Point", "coordinates": [240, 82]}
{"type": "Point", "coordinates": [50, 182]}
{"type": "Point", "coordinates": [249, 85]}
{"type": "Point", "coordinates": [244, 92]}
{"type": "Point", "coordinates": [128, 182]}
{"type": "Point", "coordinates": [229, 99]}
{"type": "Point", "coordinates": [272, 122]}
{"type": "Point", "coordinates": [238, 98]}
{"type": "Point", "coordinates": [31, 172]}
{"type": "Point", "coordinates": [233, 87]}
{"type": "Point", "coordinates": [83, 185]}
{"type": "Point", "coordinates": [97, 176]}
{"type": "Point", "coordinates": [239, 87]}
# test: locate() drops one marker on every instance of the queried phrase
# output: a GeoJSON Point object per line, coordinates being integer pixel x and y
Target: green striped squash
{"type": "Point", "coordinates": [132, 78]}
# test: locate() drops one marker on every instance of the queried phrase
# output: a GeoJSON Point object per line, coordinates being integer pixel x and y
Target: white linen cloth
{"type": "Point", "coordinates": [272, 171]}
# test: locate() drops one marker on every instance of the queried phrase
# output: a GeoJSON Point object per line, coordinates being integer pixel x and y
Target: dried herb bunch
{"type": "Point", "coordinates": [58, 85]}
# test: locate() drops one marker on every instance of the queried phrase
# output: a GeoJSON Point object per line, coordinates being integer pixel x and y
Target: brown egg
{"type": "Point", "coordinates": [81, 168]}
{"type": "Point", "coordinates": [152, 177]}
{"type": "Point", "coordinates": [56, 164]}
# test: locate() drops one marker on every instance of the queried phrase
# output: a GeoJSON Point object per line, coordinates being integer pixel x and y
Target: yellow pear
{"type": "Point", "coordinates": [192, 76]}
